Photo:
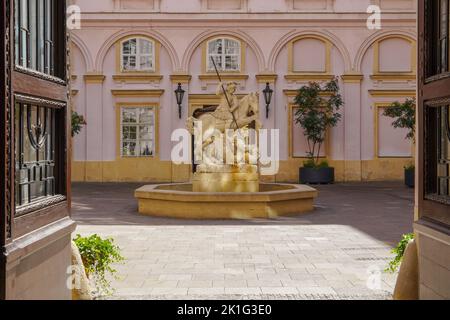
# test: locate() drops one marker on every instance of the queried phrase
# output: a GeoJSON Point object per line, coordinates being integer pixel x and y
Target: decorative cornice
{"type": "Point", "coordinates": [393, 77]}
{"type": "Point", "coordinates": [352, 78]}
{"type": "Point", "coordinates": [308, 77]}
{"type": "Point", "coordinates": [180, 78]}
{"type": "Point", "coordinates": [38, 205]}
{"type": "Point", "coordinates": [137, 78]}
{"type": "Point", "coordinates": [94, 78]}
{"type": "Point", "coordinates": [392, 93]}
{"type": "Point", "coordinates": [264, 78]}
{"type": "Point", "coordinates": [39, 101]}
{"type": "Point", "coordinates": [226, 76]}
{"type": "Point", "coordinates": [40, 75]}
{"type": "Point", "coordinates": [138, 93]}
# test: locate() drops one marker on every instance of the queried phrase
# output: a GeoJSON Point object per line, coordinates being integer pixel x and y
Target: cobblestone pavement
{"type": "Point", "coordinates": [336, 252]}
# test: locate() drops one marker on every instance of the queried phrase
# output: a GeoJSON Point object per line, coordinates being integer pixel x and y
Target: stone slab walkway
{"type": "Point", "coordinates": [337, 252]}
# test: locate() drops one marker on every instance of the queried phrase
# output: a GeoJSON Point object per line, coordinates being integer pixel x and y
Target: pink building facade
{"type": "Point", "coordinates": [130, 55]}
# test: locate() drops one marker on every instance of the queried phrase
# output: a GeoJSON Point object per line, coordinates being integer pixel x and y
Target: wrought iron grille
{"type": "Point", "coordinates": [437, 170]}
{"type": "Point", "coordinates": [35, 153]}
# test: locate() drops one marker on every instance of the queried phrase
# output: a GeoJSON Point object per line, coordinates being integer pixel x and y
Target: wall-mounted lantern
{"type": "Point", "coordinates": [268, 93]}
{"type": "Point", "coordinates": [179, 93]}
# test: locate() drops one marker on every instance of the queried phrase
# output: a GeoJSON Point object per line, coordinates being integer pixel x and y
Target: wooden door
{"type": "Point", "coordinates": [35, 191]}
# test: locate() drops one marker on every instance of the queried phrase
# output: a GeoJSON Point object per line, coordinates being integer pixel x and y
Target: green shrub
{"type": "Point", "coordinates": [399, 251]}
{"type": "Point", "coordinates": [78, 122]}
{"type": "Point", "coordinates": [311, 163]}
{"type": "Point", "coordinates": [410, 167]}
{"type": "Point", "coordinates": [98, 254]}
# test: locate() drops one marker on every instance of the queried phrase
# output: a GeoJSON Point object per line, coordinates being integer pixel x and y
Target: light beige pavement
{"type": "Point", "coordinates": [339, 251]}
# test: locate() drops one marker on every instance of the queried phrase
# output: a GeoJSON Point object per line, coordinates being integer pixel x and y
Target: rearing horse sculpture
{"type": "Point", "coordinates": [245, 111]}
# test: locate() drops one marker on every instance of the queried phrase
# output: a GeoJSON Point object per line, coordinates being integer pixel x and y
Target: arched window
{"type": "Point", "coordinates": [138, 54]}
{"type": "Point", "coordinates": [226, 53]}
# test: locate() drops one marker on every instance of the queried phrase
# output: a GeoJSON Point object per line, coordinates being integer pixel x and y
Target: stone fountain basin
{"type": "Point", "coordinates": [179, 201]}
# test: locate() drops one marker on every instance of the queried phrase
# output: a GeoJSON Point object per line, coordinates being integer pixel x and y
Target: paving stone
{"type": "Point", "coordinates": [206, 291]}
{"type": "Point", "coordinates": [195, 284]}
{"type": "Point", "coordinates": [230, 283]}
{"type": "Point", "coordinates": [243, 291]}
{"type": "Point", "coordinates": [322, 255]}
{"type": "Point", "coordinates": [264, 283]}
{"type": "Point", "coordinates": [160, 284]}
{"type": "Point", "coordinates": [279, 290]}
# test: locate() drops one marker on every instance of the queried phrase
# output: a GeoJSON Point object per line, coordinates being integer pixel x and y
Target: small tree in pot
{"type": "Point", "coordinates": [318, 110]}
{"type": "Point", "coordinates": [405, 118]}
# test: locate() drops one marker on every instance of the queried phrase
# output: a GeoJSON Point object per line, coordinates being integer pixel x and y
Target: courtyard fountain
{"type": "Point", "coordinates": [228, 189]}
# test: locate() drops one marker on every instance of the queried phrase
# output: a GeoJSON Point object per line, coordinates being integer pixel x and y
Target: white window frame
{"type": "Point", "coordinates": [138, 126]}
{"type": "Point", "coordinates": [223, 55]}
{"type": "Point", "coordinates": [138, 55]}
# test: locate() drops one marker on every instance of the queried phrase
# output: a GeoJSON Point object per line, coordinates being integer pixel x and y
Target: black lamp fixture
{"type": "Point", "coordinates": [179, 93]}
{"type": "Point", "coordinates": [268, 93]}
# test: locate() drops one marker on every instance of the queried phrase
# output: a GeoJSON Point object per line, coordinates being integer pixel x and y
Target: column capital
{"type": "Point", "coordinates": [352, 78]}
{"type": "Point", "coordinates": [94, 78]}
{"type": "Point", "coordinates": [266, 77]}
{"type": "Point", "coordinates": [180, 78]}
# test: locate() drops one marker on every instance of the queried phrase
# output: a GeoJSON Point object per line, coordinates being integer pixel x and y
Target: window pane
{"type": "Point", "coordinates": [443, 165]}
{"type": "Point", "coordinates": [146, 148]}
{"type": "Point", "coordinates": [215, 47]}
{"type": "Point", "coordinates": [129, 47]}
{"type": "Point", "coordinates": [146, 63]}
{"type": "Point", "coordinates": [231, 63]}
{"type": "Point", "coordinates": [129, 149]}
{"type": "Point", "coordinates": [35, 35]}
{"type": "Point", "coordinates": [129, 63]}
{"type": "Point", "coordinates": [438, 153]}
{"type": "Point", "coordinates": [137, 140]}
{"type": "Point", "coordinates": [217, 60]}
{"type": "Point", "coordinates": [34, 151]}
{"type": "Point", "coordinates": [129, 115]}
{"type": "Point", "coordinates": [145, 133]}
{"type": "Point", "coordinates": [146, 46]}
{"type": "Point", "coordinates": [231, 47]}
{"type": "Point", "coordinates": [145, 116]}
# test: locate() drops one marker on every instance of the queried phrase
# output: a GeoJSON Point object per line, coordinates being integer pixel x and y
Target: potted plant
{"type": "Point", "coordinates": [98, 255]}
{"type": "Point", "coordinates": [318, 110]}
{"type": "Point", "coordinates": [405, 118]}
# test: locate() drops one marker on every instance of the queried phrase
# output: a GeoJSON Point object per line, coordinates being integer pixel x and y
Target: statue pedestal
{"type": "Point", "coordinates": [225, 178]}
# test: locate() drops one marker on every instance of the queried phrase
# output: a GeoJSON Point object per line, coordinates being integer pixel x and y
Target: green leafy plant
{"type": "Point", "coordinates": [78, 122]}
{"type": "Point", "coordinates": [311, 163]}
{"type": "Point", "coordinates": [98, 255]}
{"type": "Point", "coordinates": [318, 110]}
{"type": "Point", "coordinates": [410, 167]}
{"type": "Point", "coordinates": [399, 251]}
{"type": "Point", "coordinates": [404, 115]}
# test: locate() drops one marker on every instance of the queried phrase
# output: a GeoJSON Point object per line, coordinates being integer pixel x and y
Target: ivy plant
{"type": "Point", "coordinates": [78, 122]}
{"type": "Point", "coordinates": [399, 252]}
{"type": "Point", "coordinates": [98, 255]}
{"type": "Point", "coordinates": [318, 110]}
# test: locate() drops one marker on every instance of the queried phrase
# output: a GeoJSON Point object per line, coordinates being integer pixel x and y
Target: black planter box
{"type": "Point", "coordinates": [410, 178]}
{"type": "Point", "coordinates": [316, 175]}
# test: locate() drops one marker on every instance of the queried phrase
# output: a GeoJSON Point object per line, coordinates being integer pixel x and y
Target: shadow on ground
{"type": "Point", "coordinates": [383, 210]}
